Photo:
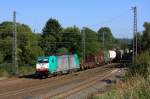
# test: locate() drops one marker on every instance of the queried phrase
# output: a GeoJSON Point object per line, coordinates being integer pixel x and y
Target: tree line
{"type": "Point", "coordinates": [54, 39]}
{"type": "Point", "coordinates": [143, 38]}
{"type": "Point", "coordinates": [141, 62]}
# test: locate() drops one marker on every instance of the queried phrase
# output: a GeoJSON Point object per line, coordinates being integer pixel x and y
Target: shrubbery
{"type": "Point", "coordinates": [4, 73]}
{"type": "Point", "coordinates": [24, 70]}
{"type": "Point", "coordinates": [141, 65]}
{"type": "Point", "coordinates": [7, 70]}
{"type": "Point", "coordinates": [135, 88]}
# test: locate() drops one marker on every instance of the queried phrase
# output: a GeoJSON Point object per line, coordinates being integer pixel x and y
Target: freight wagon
{"type": "Point", "coordinates": [119, 55]}
{"type": "Point", "coordinates": [92, 60]}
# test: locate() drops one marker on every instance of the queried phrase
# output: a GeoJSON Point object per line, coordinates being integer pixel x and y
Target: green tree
{"type": "Point", "coordinates": [109, 39]}
{"type": "Point", "coordinates": [62, 51]}
{"type": "Point", "coordinates": [6, 48]}
{"type": "Point", "coordinates": [48, 44]}
{"type": "Point", "coordinates": [71, 39]}
{"type": "Point", "coordinates": [139, 41]}
{"type": "Point", "coordinates": [6, 29]}
{"type": "Point", "coordinates": [146, 37]}
{"type": "Point", "coordinates": [91, 39]}
{"type": "Point", "coordinates": [28, 48]}
{"type": "Point", "coordinates": [51, 36]}
{"type": "Point", "coordinates": [141, 65]}
{"type": "Point", "coordinates": [52, 27]}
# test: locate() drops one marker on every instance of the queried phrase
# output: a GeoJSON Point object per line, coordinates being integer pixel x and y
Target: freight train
{"type": "Point", "coordinates": [61, 64]}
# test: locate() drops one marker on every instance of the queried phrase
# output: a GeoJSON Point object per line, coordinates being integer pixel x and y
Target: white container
{"type": "Point", "coordinates": [112, 54]}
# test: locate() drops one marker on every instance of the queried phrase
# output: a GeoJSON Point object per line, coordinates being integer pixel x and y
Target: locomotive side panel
{"type": "Point", "coordinates": [62, 63]}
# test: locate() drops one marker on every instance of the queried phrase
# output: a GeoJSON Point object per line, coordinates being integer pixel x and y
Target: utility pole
{"type": "Point", "coordinates": [83, 42]}
{"type": "Point", "coordinates": [135, 32]}
{"type": "Point", "coordinates": [15, 59]}
{"type": "Point", "coordinates": [135, 28]}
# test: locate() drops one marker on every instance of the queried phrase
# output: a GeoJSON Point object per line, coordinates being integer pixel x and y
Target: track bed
{"type": "Point", "coordinates": [60, 86]}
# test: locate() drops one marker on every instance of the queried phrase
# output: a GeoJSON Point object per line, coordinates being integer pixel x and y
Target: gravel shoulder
{"type": "Point", "coordinates": [100, 86]}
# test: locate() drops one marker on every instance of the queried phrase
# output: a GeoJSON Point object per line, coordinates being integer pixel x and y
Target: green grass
{"type": "Point", "coordinates": [9, 70]}
{"type": "Point", "coordinates": [141, 65]}
{"type": "Point", "coordinates": [24, 70]}
{"type": "Point", "coordinates": [134, 88]}
{"type": "Point", "coordinates": [4, 73]}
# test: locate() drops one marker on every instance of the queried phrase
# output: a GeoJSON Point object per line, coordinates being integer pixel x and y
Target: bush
{"type": "Point", "coordinates": [62, 51]}
{"type": "Point", "coordinates": [10, 70]}
{"type": "Point", "coordinates": [141, 65]}
{"type": "Point", "coordinates": [8, 67]}
{"type": "Point", "coordinates": [24, 70]}
{"type": "Point", "coordinates": [4, 73]}
{"type": "Point", "coordinates": [135, 88]}
{"type": "Point", "coordinates": [1, 58]}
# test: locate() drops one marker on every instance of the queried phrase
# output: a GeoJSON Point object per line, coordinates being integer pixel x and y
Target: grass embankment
{"type": "Point", "coordinates": [8, 71]}
{"type": "Point", "coordinates": [134, 87]}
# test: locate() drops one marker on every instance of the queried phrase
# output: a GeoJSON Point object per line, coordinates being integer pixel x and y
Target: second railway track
{"type": "Point", "coordinates": [79, 87]}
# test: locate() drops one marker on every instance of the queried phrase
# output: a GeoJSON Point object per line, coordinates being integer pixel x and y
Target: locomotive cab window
{"type": "Point", "coordinates": [43, 61]}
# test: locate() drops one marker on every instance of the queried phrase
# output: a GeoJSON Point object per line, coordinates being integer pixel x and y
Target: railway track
{"type": "Point", "coordinates": [81, 86]}
{"type": "Point", "coordinates": [32, 83]}
{"type": "Point", "coordinates": [74, 80]}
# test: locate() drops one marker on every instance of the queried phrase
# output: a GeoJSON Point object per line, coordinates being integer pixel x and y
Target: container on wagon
{"type": "Point", "coordinates": [119, 54]}
{"type": "Point", "coordinates": [106, 56]}
{"type": "Point", "coordinates": [112, 54]}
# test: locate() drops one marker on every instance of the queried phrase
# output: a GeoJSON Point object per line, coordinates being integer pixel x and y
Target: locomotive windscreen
{"type": "Point", "coordinates": [43, 61]}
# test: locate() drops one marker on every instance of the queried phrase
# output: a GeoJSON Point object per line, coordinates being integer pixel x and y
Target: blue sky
{"type": "Point", "coordinates": [116, 14]}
